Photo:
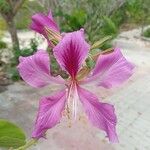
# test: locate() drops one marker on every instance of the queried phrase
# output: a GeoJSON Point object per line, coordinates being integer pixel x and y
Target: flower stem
{"type": "Point", "coordinates": [28, 144]}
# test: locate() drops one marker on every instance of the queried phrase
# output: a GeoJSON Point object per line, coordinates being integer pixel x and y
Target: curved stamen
{"type": "Point", "coordinates": [72, 100]}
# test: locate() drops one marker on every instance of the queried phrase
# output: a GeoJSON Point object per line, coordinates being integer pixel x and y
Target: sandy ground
{"type": "Point", "coordinates": [132, 102]}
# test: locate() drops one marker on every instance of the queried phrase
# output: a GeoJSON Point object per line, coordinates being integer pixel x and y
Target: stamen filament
{"type": "Point", "coordinates": [72, 101]}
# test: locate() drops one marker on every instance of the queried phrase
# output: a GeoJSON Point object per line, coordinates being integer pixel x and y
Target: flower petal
{"type": "Point", "coordinates": [99, 114]}
{"type": "Point", "coordinates": [35, 69]}
{"type": "Point", "coordinates": [40, 21]}
{"type": "Point", "coordinates": [111, 70]}
{"type": "Point", "coordinates": [71, 51]}
{"type": "Point", "coordinates": [44, 24]}
{"type": "Point", "coordinates": [49, 113]}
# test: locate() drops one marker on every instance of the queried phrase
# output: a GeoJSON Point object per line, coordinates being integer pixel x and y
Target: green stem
{"type": "Point", "coordinates": [27, 145]}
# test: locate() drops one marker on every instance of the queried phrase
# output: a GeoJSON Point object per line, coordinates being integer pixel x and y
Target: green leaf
{"type": "Point", "coordinates": [101, 42]}
{"type": "Point", "coordinates": [11, 135]}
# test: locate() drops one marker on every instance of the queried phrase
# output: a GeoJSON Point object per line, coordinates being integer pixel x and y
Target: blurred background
{"type": "Point", "coordinates": [128, 24]}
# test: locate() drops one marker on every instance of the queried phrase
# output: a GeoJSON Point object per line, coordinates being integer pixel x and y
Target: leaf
{"type": "Point", "coordinates": [11, 135]}
{"type": "Point", "coordinates": [101, 42]}
{"type": "Point", "coordinates": [95, 56]}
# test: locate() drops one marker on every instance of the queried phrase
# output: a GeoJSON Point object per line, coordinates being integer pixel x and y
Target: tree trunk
{"type": "Point", "coordinates": [13, 32]}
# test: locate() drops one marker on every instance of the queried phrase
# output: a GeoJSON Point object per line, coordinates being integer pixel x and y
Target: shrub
{"type": "Point", "coordinates": [146, 33]}
{"type": "Point", "coordinates": [3, 45]}
{"type": "Point", "coordinates": [134, 10]}
{"type": "Point", "coordinates": [109, 27]}
{"type": "Point", "coordinates": [72, 21]}
{"type": "Point", "coordinates": [14, 74]}
{"type": "Point", "coordinates": [12, 70]}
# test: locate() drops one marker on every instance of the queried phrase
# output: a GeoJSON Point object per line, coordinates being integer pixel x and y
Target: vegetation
{"type": "Point", "coordinates": [73, 15]}
{"type": "Point", "coordinates": [146, 33]}
{"type": "Point", "coordinates": [12, 70]}
{"type": "Point", "coordinates": [11, 135]}
{"type": "Point", "coordinates": [8, 10]}
{"type": "Point", "coordinates": [3, 45]}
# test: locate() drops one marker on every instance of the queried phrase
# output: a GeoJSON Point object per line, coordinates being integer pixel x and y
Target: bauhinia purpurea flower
{"type": "Point", "coordinates": [110, 70]}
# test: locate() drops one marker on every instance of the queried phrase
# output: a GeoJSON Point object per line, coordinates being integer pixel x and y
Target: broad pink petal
{"type": "Point", "coordinates": [49, 113]}
{"type": "Point", "coordinates": [111, 70]}
{"type": "Point", "coordinates": [35, 69]}
{"type": "Point", "coordinates": [40, 21]}
{"type": "Point", "coordinates": [101, 115]}
{"type": "Point", "coordinates": [71, 51]}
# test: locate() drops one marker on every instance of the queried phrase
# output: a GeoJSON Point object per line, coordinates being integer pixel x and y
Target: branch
{"type": "Point", "coordinates": [18, 4]}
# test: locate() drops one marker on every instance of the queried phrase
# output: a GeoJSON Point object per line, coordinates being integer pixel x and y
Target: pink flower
{"type": "Point", "coordinates": [110, 70]}
{"type": "Point", "coordinates": [46, 26]}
